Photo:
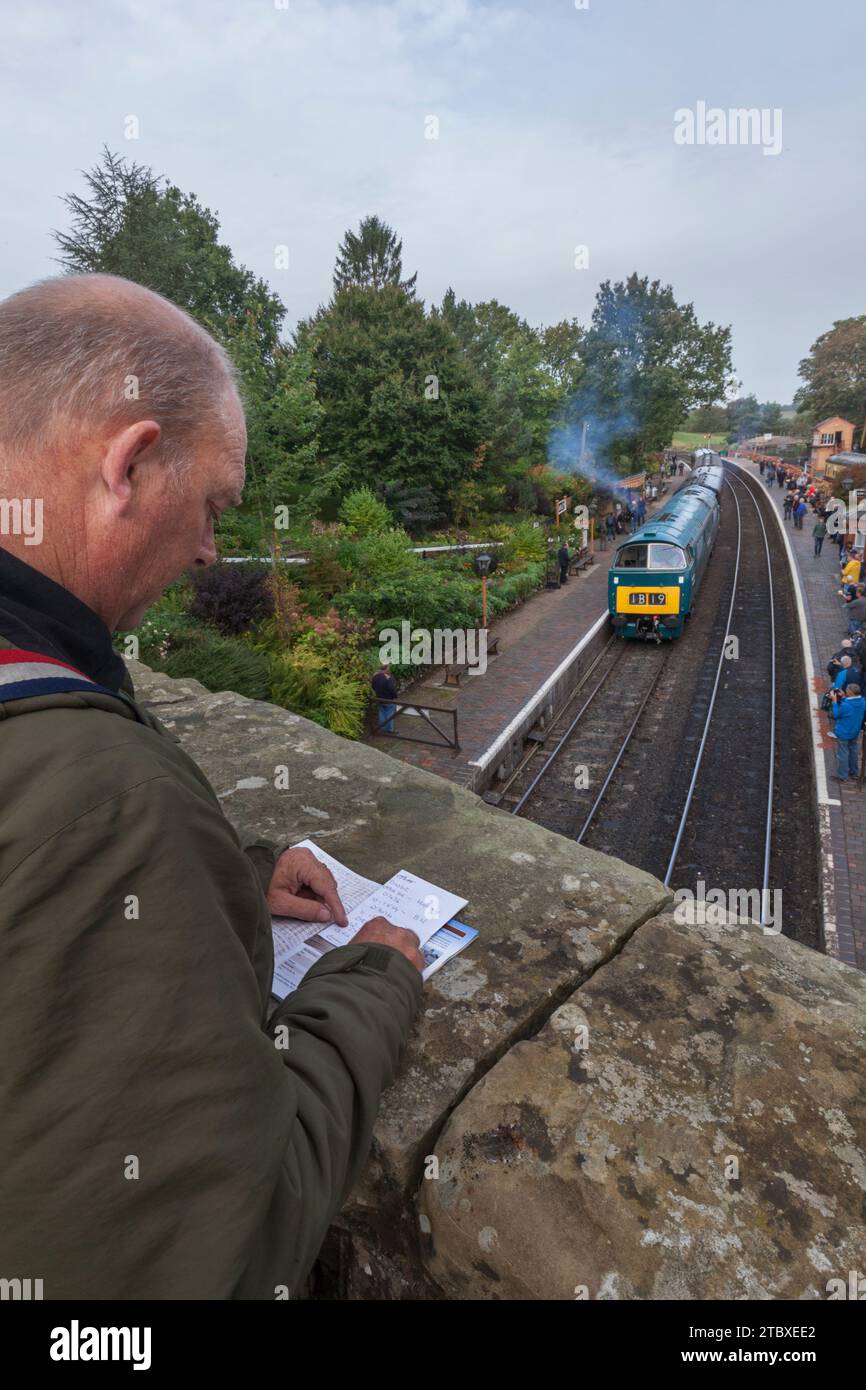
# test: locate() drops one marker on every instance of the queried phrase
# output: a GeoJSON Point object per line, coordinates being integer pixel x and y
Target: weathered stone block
{"type": "Point", "coordinates": [689, 1124]}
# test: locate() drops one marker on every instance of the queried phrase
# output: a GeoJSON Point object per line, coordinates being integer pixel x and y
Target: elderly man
{"type": "Point", "coordinates": [161, 1136]}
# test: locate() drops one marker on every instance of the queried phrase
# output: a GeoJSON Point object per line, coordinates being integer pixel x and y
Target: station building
{"type": "Point", "coordinates": [835, 435]}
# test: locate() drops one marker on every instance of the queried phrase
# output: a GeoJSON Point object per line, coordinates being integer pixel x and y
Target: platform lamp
{"type": "Point", "coordinates": [484, 565]}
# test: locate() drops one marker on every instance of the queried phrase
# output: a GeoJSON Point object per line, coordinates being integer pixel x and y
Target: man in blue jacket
{"type": "Point", "coordinates": [848, 673]}
{"type": "Point", "coordinates": [847, 711]}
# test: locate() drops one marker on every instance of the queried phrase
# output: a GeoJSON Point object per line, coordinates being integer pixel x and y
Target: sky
{"type": "Point", "coordinates": [555, 125]}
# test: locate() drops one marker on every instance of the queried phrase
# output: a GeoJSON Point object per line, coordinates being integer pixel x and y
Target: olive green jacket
{"type": "Point", "coordinates": [160, 1137]}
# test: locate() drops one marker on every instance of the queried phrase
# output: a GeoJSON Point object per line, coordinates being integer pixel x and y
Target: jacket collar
{"type": "Point", "coordinates": [41, 616]}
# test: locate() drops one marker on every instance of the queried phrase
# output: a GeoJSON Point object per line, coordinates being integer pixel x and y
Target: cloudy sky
{"type": "Point", "coordinates": [292, 119]}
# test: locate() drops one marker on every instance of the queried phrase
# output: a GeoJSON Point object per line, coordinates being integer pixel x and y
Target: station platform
{"type": "Point", "coordinates": [534, 640]}
{"type": "Point", "coordinates": [842, 807]}
{"type": "Point", "coordinates": [544, 636]}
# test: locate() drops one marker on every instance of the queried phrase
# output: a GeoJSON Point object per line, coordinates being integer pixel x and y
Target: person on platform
{"type": "Point", "coordinates": [847, 713]}
{"type": "Point", "coordinates": [138, 1039]}
{"type": "Point", "coordinates": [788, 505]}
{"type": "Point", "coordinates": [819, 532]}
{"type": "Point", "coordinates": [855, 609]}
{"type": "Point", "coordinates": [385, 689]}
{"type": "Point", "coordinates": [564, 559]}
{"type": "Point", "coordinates": [834, 665]}
{"type": "Point", "coordinates": [850, 573]}
{"type": "Point", "coordinates": [848, 671]}
{"type": "Point", "coordinates": [800, 510]}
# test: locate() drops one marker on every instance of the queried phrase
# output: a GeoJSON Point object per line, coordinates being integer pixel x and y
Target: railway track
{"type": "Point", "coordinates": [669, 756]}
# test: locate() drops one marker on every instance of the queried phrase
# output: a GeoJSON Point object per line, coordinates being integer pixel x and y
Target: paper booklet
{"type": "Point", "coordinates": [406, 900]}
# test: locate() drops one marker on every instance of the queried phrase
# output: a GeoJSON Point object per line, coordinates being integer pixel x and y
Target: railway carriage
{"type": "Point", "coordinates": [657, 571]}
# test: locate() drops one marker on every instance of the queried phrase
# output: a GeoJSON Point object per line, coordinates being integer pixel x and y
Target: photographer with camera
{"type": "Point", "coordinates": [847, 712]}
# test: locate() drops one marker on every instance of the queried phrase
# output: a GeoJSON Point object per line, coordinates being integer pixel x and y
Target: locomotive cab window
{"type": "Point", "coordinates": [658, 556]}
{"type": "Point", "coordinates": [666, 557]}
{"type": "Point", "coordinates": [631, 557]}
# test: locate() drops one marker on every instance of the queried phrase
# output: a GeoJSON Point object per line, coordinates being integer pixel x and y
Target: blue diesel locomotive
{"type": "Point", "coordinates": [656, 572]}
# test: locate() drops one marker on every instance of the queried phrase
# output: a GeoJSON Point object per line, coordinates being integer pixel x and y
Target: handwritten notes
{"type": "Point", "coordinates": [405, 900]}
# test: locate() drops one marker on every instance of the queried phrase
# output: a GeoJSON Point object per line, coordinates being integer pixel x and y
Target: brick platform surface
{"type": "Point", "coordinates": [819, 585]}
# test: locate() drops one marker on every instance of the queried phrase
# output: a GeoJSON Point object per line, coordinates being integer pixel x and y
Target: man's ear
{"type": "Point", "coordinates": [123, 455]}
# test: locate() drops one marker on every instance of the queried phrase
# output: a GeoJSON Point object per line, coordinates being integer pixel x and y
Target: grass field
{"type": "Point", "coordinates": [684, 440]}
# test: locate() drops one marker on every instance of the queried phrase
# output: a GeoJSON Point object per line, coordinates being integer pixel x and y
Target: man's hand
{"type": "Point", "coordinates": [379, 929]}
{"type": "Point", "coordinates": [302, 887]}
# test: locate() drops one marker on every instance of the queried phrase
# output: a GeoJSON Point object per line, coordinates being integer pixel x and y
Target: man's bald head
{"type": "Point", "coordinates": [83, 355]}
{"type": "Point", "coordinates": [120, 415]}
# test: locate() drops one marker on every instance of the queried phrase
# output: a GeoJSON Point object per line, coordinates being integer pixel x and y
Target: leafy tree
{"type": "Point", "coordinates": [523, 379]}
{"type": "Point", "coordinates": [561, 345]}
{"type": "Point", "coordinates": [834, 374]}
{"type": "Point", "coordinates": [771, 417]}
{"type": "Point", "coordinates": [414, 507]}
{"type": "Point", "coordinates": [743, 417]}
{"type": "Point", "coordinates": [707, 419]}
{"type": "Point", "coordinates": [648, 362]}
{"type": "Point", "coordinates": [136, 224]}
{"type": "Point", "coordinates": [371, 259]}
{"type": "Point", "coordinates": [400, 405]}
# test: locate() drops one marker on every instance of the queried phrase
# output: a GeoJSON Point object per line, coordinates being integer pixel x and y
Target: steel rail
{"type": "Point", "coordinates": [548, 762]}
{"type": "Point", "coordinates": [692, 784]}
{"type": "Point", "coordinates": [768, 830]}
{"type": "Point", "coordinates": [618, 759]}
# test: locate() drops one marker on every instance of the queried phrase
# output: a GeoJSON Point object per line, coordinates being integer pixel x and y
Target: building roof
{"type": "Point", "coordinates": [849, 456]}
{"type": "Point", "coordinates": [830, 419]}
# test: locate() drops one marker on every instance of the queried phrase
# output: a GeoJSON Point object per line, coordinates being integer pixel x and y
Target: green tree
{"type": "Point", "coordinates": [400, 404]}
{"type": "Point", "coordinates": [561, 345]}
{"type": "Point", "coordinates": [523, 378]}
{"type": "Point", "coordinates": [371, 259]}
{"type": "Point", "coordinates": [707, 419]}
{"type": "Point", "coordinates": [743, 417]}
{"type": "Point", "coordinates": [363, 514]}
{"type": "Point", "coordinates": [648, 363]}
{"type": "Point", "coordinates": [834, 374]}
{"type": "Point", "coordinates": [771, 417]}
{"type": "Point", "coordinates": [137, 225]}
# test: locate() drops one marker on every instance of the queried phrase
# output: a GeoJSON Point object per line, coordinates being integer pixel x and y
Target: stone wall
{"type": "Point", "coordinates": [582, 1076]}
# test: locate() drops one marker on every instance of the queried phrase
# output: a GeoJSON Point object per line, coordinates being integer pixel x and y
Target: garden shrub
{"type": "Point", "coordinates": [231, 598]}
{"type": "Point", "coordinates": [526, 543]}
{"type": "Point", "coordinates": [220, 663]}
{"type": "Point", "coordinates": [324, 676]}
{"type": "Point", "coordinates": [363, 514]}
{"type": "Point", "coordinates": [344, 701]}
{"type": "Point", "coordinates": [388, 553]}
{"type": "Point", "coordinates": [325, 575]}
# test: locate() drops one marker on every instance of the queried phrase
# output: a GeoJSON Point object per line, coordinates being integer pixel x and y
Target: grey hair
{"type": "Point", "coordinates": [80, 354]}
